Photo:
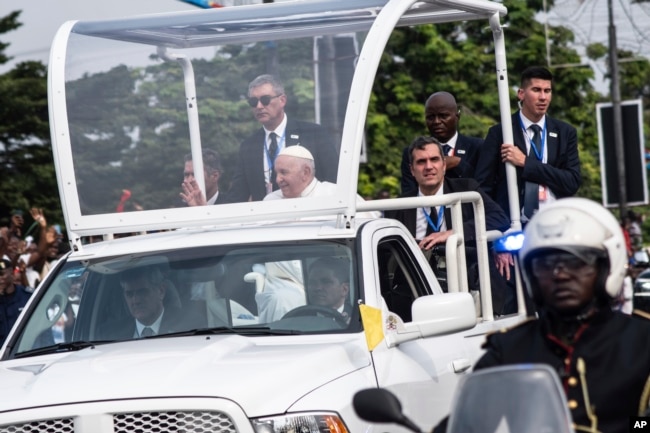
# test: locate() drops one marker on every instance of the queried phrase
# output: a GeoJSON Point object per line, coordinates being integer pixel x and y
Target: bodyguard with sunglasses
{"type": "Point", "coordinates": [254, 177]}
{"type": "Point", "coordinates": [573, 262]}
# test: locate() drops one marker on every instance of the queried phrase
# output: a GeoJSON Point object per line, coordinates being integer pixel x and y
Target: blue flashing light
{"type": "Point", "coordinates": [205, 4]}
{"type": "Point", "coordinates": [510, 243]}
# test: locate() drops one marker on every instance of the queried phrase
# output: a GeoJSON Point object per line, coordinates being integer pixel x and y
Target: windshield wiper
{"type": "Point", "coordinates": [71, 346]}
{"type": "Point", "coordinates": [248, 330]}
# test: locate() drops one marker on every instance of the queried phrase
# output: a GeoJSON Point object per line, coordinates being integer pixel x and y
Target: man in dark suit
{"type": "Point", "coordinates": [547, 161]}
{"type": "Point", "coordinates": [328, 285]}
{"type": "Point", "coordinates": [433, 227]}
{"type": "Point", "coordinates": [254, 177]}
{"type": "Point", "coordinates": [192, 194]}
{"type": "Point", "coordinates": [144, 291]}
{"type": "Point", "coordinates": [441, 115]}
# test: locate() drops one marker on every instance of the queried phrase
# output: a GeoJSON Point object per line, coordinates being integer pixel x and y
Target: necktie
{"type": "Point", "coordinates": [446, 149]}
{"type": "Point", "coordinates": [537, 138]}
{"type": "Point", "coordinates": [147, 332]}
{"type": "Point", "coordinates": [273, 146]}
{"type": "Point", "coordinates": [531, 191]}
{"type": "Point", "coordinates": [273, 150]}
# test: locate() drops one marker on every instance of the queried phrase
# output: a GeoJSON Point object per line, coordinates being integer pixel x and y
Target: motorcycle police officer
{"type": "Point", "coordinates": [573, 262]}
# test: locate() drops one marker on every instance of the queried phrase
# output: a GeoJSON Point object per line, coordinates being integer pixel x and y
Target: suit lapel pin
{"type": "Point", "coordinates": [460, 151]}
{"type": "Point", "coordinates": [553, 134]}
{"type": "Point", "coordinates": [295, 137]}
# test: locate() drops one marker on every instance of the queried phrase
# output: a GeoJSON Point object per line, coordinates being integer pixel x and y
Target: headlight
{"type": "Point", "coordinates": [645, 285]}
{"type": "Point", "coordinates": [301, 423]}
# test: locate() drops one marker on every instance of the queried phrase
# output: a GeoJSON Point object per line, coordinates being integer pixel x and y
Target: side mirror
{"type": "Point", "coordinates": [382, 406]}
{"type": "Point", "coordinates": [435, 315]}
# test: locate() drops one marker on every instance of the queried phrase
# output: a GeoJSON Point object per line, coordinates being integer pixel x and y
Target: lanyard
{"type": "Point", "coordinates": [540, 154]}
{"type": "Point", "coordinates": [441, 216]}
{"type": "Point", "coordinates": [270, 159]}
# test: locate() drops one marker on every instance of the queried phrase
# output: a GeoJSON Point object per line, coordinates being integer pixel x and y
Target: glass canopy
{"type": "Point", "coordinates": [133, 101]}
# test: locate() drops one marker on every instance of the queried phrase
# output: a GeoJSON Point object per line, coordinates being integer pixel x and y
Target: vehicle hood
{"type": "Point", "coordinates": [246, 370]}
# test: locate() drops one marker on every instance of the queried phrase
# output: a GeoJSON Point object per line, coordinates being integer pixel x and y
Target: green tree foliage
{"type": "Point", "coordinates": [26, 164]}
{"type": "Point", "coordinates": [129, 127]}
{"type": "Point", "coordinates": [7, 24]}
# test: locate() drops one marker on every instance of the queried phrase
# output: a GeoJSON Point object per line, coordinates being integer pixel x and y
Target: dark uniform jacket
{"type": "Point", "coordinates": [248, 180]}
{"type": "Point", "coordinates": [616, 350]}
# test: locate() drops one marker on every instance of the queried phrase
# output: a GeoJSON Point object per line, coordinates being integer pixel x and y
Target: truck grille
{"type": "Point", "coordinates": [194, 422]}
{"type": "Point", "coordinates": [140, 422]}
{"type": "Point", "coordinates": [63, 425]}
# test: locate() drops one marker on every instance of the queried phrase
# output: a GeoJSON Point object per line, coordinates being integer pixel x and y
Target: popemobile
{"type": "Point", "coordinates": [171, 317]}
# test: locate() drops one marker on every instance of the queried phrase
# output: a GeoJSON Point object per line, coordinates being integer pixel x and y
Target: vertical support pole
{"type": "Point", "coordinates": [506, 119]}
{"type": "Point", "coordinates": [192, 114]}
{"type": "Point", "coordinates": [616, 112]}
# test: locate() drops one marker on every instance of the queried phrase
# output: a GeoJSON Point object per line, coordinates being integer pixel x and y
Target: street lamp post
{"type": "Point", "coordinates": [616, 108]}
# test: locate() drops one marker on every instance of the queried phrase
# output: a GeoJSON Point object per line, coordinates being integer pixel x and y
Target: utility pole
{"type": "Point", "coordinates": [616, 111]}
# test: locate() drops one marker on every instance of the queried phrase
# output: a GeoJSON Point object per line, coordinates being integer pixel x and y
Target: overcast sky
{"type": "Point", "coordinates": [589, 21]}
{"type": "Point", "coordinates": [42, 18]}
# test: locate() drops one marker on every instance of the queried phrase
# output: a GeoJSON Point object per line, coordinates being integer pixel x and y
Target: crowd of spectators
{"type": "Point", "coordinates": [27, 254]}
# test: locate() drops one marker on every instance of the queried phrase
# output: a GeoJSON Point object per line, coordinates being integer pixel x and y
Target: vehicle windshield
{"type": "Point", "coordinates": [264, 289]}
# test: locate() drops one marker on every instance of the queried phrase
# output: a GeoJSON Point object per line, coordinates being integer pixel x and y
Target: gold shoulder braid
{"type": "Point", "coordinates": [582, 372]}
{"type": "Point", "coordinates": [641, 313]}
{"type": "Point", "coordinates": [516, 325]}
{"type": "Point", "coordinates": [644, 410]}
{"type": "Point", "coordinates": [506, 329]}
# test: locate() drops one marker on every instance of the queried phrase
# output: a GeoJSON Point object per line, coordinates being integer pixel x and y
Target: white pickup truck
{"type": "Point", "coordinates": [248, 352]}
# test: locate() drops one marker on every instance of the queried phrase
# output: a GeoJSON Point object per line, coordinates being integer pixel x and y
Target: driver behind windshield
{"type": "Point", "coordinates": [145, 290]}
{"type": "Point", "coordinates": [328, 285]}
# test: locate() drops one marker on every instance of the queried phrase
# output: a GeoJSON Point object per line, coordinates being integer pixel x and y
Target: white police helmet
{"type": "Point", "coordinates": [577, 225]}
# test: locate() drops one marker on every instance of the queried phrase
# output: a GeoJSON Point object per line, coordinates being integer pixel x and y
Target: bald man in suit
{"type": "Point", "coordinates": [441, 115]}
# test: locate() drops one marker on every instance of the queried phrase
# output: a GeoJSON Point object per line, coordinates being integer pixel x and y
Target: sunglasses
{"type": "Point", "coordinates": [545, 265]}
{"type": "Point", "coordinates": [265, 100]}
